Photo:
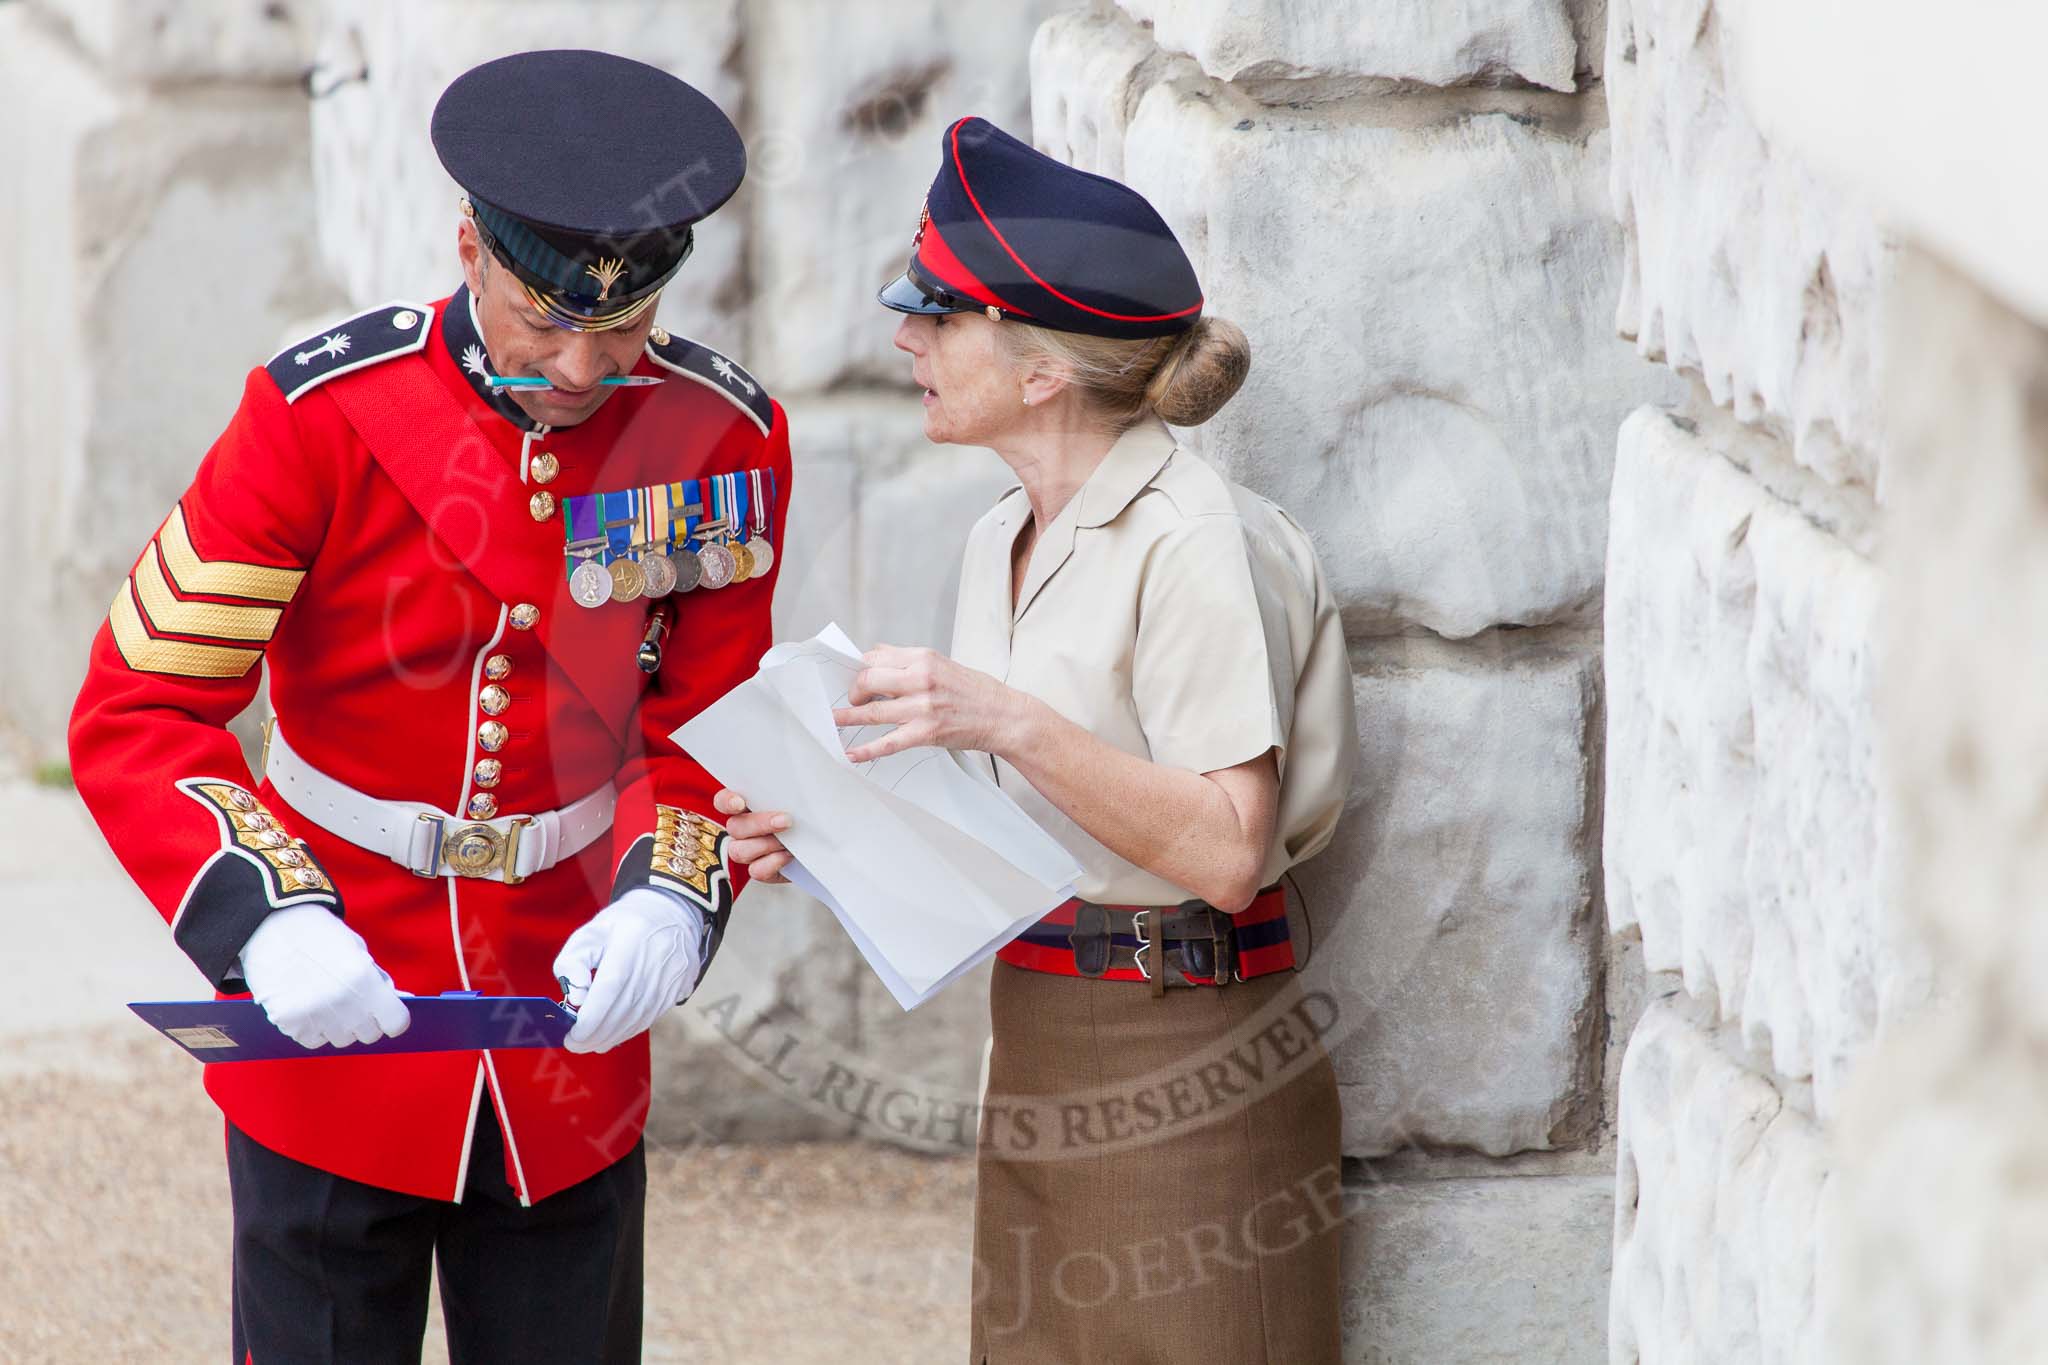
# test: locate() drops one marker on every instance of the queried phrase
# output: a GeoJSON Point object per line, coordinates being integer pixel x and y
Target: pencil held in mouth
{"type": "Point", "coordinates": [534, 381]}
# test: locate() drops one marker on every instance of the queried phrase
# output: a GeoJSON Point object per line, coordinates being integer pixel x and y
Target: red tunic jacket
{"type": "Point", "coordinates": [382, 585]}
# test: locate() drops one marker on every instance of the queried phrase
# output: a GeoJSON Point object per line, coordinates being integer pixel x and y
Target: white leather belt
{"type": "Point", "coordinates": [432, 843]}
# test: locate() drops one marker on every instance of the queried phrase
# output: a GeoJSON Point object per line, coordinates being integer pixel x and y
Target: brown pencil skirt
{"type": "Point", "coordinates": [1157, 1177]}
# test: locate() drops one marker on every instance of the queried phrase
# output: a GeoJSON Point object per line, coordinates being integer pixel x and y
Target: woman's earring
{"type": "Point", "coordinates": [1027, 400]}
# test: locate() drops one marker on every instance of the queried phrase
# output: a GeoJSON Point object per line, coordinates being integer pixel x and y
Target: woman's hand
{"type": "Point", "coordinates": [931, 701]}
{"type": "Point", "coordinates": [751, 837]}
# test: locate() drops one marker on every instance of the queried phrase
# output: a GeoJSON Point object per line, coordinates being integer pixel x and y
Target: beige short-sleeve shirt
{"type": "Point", "coordinates": [1182, 619]}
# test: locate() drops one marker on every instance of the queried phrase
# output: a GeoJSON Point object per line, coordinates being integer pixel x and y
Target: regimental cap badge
{"type": "Point", "coordinates": [607, 273]}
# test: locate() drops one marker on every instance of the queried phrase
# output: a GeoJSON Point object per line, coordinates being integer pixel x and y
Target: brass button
{"type": "Point", "coordinates": [658, 334]}
{"type": "Point", "coordinates": [544, 467]}
{"type": "Point", "coordinates": [488, 771]}
{"type": "Point", "coordinates": [292, 857]}
{"type": "Point", "coordinates": [241, 800]}
{"type": "Point", "coordinates": [405, 319]}
{"type": "Point", "coordinates": [498, 667]}
{"type": "Point", "coordinates": [491, 734]}
{"type": "Point", "coordinates": [525, 616]}
{"type": "Point", "coordinates": [494, 699]}
{"type": "Point", "coordinates": [310, 878]}
{"type": "Point", "coordinates": [482, 806]}
{"type": "Point", "coordinates": [274, 838]}
{"type": "Point", "coordinates": [542, 505]}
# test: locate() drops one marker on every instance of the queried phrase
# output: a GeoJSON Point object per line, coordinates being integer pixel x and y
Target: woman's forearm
{"type": "Point", "coordinates": [1177, 825]}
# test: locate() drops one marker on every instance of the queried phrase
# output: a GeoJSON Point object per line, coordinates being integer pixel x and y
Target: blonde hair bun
{"type": "Point", "coordinates": [1205, 368]}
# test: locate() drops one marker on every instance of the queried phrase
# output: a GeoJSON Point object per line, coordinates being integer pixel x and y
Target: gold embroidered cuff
{"type": "Point", "coordinates": [688, 848]}
{"type": "Point", "coordinates": [251, 827]}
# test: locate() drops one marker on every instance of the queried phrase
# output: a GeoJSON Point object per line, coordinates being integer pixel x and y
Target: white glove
{"type": "Point", "coordinates": [632, 963]}
{"type": "Point", "coordinates": [315, 978]}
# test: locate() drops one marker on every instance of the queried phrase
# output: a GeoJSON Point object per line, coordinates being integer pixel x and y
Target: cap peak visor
{"type": "Point", "coordinates": [916, 292]}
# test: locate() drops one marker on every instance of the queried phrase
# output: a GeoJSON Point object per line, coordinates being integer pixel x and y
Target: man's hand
{"type": "Point", "coordinates": [632, 963]}
{"type": "Point", "coordinates": [316, 981]}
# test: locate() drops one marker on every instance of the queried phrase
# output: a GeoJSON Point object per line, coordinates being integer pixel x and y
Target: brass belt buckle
{"type": "Point", "coordinates": [476, 850]}
{"type": "Point", "coordinates": [473, 850]}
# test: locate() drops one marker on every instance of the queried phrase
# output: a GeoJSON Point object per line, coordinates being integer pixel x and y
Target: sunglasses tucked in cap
{"type": "Point", "coordinates": [1009, 229]}
{"type": "Point", "coordinates": [583, 172]}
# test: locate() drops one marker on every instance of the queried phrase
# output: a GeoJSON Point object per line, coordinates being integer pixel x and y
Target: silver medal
{"type": "Point", "coordinates": [763, 552]}
{"type": "Point", "coordinates": [719, 565]}
{"type": "Point", "coordinates": [689, 569]}
{"type": "Point", "coordinates": [661, 576]}
{"type": "Point", "coordinates": [590, 585]}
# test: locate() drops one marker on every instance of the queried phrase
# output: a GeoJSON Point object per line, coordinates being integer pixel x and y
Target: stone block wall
{"type": "Point", "coordinates": [155, 243]}
{"type": "Point", "coordinates": [1938, 1229]}
{"type": "Point", "coordinates": [1406, 208]}
{"type": "Point", "coordinates": [1750, 844]}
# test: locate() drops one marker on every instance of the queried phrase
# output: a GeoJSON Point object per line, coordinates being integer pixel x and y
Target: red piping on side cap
{"type": "Point", "coordinates": [935, 255]}
{"type": "Point", "coordinates": [961, 171]}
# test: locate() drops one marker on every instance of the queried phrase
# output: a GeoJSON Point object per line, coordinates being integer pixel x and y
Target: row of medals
{"type": "Point", "coordinates": [719, 564]}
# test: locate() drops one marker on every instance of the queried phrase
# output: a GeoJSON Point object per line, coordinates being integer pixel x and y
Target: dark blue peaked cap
{"type": "Point", "coordinates": [1007, 228]}
{"type": "Point", "coordinates": [585, 171]}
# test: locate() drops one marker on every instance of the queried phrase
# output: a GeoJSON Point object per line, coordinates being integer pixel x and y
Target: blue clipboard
{"type": "Point", "coordinates": [458, 1021]}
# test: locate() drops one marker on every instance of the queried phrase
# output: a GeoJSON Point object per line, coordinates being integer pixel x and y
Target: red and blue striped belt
{"type": "Point", "coordinates": [1204, 946]}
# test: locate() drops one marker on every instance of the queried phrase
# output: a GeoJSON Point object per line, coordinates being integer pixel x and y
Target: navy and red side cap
{"type": "Point", "coordinates": [1007, 228]}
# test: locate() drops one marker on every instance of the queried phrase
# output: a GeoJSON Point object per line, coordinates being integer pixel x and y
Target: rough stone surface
{"type": "Point", "coordinates": [1942, 1226]}
{"type": "Point", "coordinates": [1422, 429]}
{"type": "Point", "coordinates": [1930, 163]}
{"type": "Point", "coordinates": [1490, 41]}
{"type": "Point", "coordinates": [1745, 837]}
{"type": "Point", "coordinates": [1477, 1271]}
{"type": "Point", "coordinates": [120, 362]}
{"type": "Point", "coordinates": [165, 41]}
{"type": "Point", "coordinates": [1456, 901]}
{"type": "Point", "coordinates": [1770, 287]}
{"type": "Point", "coordinates": [848, 104]}
{"type": "Point", "coordinates": [1721, 1184]}
{"type": "Point", "coordinates": [387, 211]}
{"type": "Point", "coordinates": [1088, 71]}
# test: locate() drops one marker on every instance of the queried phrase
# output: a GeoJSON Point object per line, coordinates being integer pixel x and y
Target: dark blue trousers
{"type": "Point", "coordinates": [329, 1271]}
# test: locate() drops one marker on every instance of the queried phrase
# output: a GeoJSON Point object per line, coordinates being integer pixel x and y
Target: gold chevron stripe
{"type": "Point", "coordinates": [222, 577]}
{"type": "Point", "coordinates": [146, 654]}
{"type": "Point", "coordinates": [217, 619]}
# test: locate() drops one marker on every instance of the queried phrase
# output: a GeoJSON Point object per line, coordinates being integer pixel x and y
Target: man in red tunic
{"type": "Point", "coordinates": [484, 606]}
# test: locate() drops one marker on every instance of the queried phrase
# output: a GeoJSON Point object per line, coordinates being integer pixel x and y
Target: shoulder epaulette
{"type": "Point", "coordinates": [391, 329]}
{"type": "Point", "coordinates": [693, 360]}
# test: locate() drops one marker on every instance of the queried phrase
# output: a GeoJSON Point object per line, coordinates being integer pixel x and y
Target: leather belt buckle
{"type": "Point", "coordinates": [1223, 944]}
{"type": "Point", "coordinates": [1089, 939]}
{"type": "Point", "coordinates": [1150, 926]}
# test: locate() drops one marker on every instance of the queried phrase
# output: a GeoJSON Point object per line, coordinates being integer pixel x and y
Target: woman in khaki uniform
{"type": "Point", "coordinates": [1147, 659]}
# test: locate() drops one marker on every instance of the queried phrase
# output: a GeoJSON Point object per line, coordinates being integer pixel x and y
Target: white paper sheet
{"type": "Point", "coordinates": [929, 867]}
